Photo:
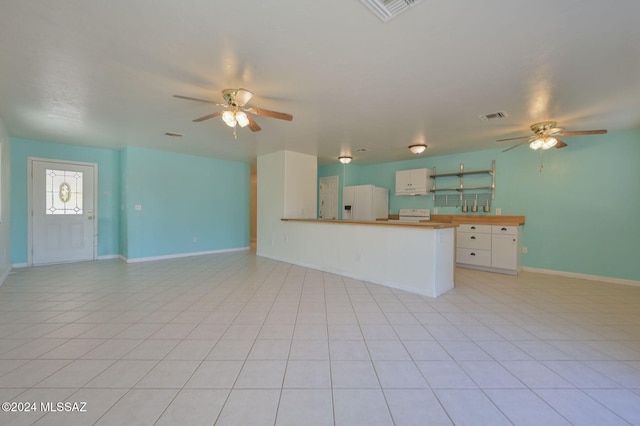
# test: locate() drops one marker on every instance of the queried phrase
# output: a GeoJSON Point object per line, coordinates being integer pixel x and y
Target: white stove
{"type": "Point", "coordinates": [413, 215]}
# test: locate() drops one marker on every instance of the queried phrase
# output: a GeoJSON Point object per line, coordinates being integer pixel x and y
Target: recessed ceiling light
{"type": "Point", "coordinates": [174, 134]}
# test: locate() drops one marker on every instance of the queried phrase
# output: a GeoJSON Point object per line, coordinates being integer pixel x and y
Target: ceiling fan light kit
{"type": "Point", "coordinates": [418, 148]}
{"type": "Point", "coordinates": [345, 159]}
{"type": "Point", "coordinates": [544, 143]}
{"type": "Point", "coordinates": [229, 118]}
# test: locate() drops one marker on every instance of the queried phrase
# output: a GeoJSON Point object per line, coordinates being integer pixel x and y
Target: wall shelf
{"type": "Point", "coordinates": [483, 194]}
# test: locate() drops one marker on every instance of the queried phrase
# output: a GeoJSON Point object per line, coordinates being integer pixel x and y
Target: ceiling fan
{"type": "Point", "coordinates": [237, 109]}
{"type": "Point", "coordinates": [546, 135]}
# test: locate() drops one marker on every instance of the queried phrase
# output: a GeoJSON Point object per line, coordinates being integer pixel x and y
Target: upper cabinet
{"type": "Point", "coordinates": [413, 182]}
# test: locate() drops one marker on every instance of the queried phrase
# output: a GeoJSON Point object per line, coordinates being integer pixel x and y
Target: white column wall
{"type": "Point", "coordinates": [287, 187]}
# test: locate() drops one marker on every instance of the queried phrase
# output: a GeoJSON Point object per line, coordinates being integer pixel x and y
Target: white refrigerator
{"type": "Point", "coordinates": [365, 202]}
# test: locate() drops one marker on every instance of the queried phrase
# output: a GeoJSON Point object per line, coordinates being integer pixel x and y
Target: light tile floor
{"type": "Point", "coordinates": [235, 339]}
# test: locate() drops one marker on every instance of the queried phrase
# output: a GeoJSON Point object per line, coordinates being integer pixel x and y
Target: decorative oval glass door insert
{"type": "Point", "coordinates": [65, 192]}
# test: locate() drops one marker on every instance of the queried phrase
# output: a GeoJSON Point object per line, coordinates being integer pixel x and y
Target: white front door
{"type": "Point", "coordinates": [63, 221]}
{"type": "Point", "coordinates": [329, 197]}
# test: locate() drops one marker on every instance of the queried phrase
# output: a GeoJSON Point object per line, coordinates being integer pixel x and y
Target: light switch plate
{"type": "Point", "coordinates": [137, 207]}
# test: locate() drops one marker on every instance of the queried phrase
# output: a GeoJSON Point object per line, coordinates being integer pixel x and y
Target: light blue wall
{"type": "Point", "coordinates": [581, 210]}
{"type": "Point", "coordinates": [5, 203]}
{"type": "Point", "coordinates": [183, 197]}
{"type": "Point", "coordinates": [108, 191]}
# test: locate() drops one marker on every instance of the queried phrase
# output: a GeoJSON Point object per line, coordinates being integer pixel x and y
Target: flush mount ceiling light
{"type": "Point", "coordinates": [345, 159]}
{"type": "Point", "coordinates": [418, 148]}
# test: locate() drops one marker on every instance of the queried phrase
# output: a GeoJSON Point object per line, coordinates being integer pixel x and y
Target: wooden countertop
{"type": "Point", "coordinates": [433, 224]}
{"type": "Point", "coordinates": [479, 219]}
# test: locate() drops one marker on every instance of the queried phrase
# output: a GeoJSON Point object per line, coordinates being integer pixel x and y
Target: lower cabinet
{"type": "Point", "coordinates": [494, 248]}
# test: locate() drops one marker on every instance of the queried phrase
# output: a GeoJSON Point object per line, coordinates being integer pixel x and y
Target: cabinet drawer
{"type": "Point", "coordinates": [477, 229]}
{"type": "Point", "coordinates": [472, 240]}
{"type": "Point", "coordinates": [473, 257]}
{"type": "Point", "coordinates": [504, 230]}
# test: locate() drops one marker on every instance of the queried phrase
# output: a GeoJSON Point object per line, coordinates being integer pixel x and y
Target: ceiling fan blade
{"type": "Point", "coordinates": [515, 146]}
{"type": "Point", "coordinates": [206, 117]}
{"type": "Point", "coordinates": [199, 100]}
{"type": "Point", "coordinates": [560, 144]}
{"type": "Point", "coordinates": [582, 132]}
{"type": "Point", "coordinates": [272, 114]}
{"type": "Point", "coordinates": [512, 139]}
{"type": "Point", "coordinates": [243, 96]}
{"type": "Point", "coordinates": [253, 126]}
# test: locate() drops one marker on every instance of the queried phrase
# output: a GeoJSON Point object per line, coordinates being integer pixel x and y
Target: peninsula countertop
{"type": "Point", "coordinates": [423, 224]}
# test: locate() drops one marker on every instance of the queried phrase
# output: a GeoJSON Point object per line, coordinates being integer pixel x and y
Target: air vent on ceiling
{"type": "Point", "coordinates": [387, 9]}
{"type": "Point", "coordinates": [493, 116]}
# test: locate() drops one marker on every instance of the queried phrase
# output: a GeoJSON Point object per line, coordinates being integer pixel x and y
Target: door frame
{"type": "Point", "coordinates": [30, 161]}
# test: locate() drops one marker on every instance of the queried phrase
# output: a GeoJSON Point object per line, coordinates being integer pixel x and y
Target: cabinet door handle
{"type": "Point", "coordinates": [473, 237]}
{"type": "Point", "coordinates": [503, 229]}
{"type": "Point", "coordinates": [473, 227]}
{"type": "Point", "coordinates": [473, 254]}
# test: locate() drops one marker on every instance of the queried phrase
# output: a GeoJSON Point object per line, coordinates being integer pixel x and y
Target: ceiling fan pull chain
{"type": "Point", "coordinates": [541, 161]}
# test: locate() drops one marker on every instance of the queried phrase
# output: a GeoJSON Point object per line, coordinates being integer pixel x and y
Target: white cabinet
{"type": "Point", "coordinates": [473, 244]}
{"type": "Point", "coordinates": [494, 248]}
{"type": "Point", "coordinates": [413, 182]}
{"type": "Point", "coordinates": [504, 247]}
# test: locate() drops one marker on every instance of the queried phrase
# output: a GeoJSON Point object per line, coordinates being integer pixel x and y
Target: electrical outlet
{"type": "Point", "coordinates": [195, 239]}
{"type": "Point", "coordinates": [138, 207]}
{"type": "Point", "coordinates": [525, 250]}
{"type": "Point", "coordinates": [498, 211]}
{"type": "Point", "coordinates": [358, 257]}
{"type": "Point", "coordinates": [435, 210]}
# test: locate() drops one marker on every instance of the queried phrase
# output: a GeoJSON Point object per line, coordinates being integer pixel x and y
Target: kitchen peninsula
{"type": "Point", "coordinates": [416, 257]}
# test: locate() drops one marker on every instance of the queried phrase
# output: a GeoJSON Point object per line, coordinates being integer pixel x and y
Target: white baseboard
{"type": "Point", "coordinates": [20, 265]}
{"type": "Point", "coordinates": [582, 276]}
{"type": "Point", "coordinates": [4, 276]}
{"type": "Point", "coordinates": [109, 256]}
{"type": "Point", "coordinates": [179, 255]}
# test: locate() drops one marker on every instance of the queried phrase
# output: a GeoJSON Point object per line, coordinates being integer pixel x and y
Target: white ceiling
{"type": "Point", "coordinates": [103, 73]}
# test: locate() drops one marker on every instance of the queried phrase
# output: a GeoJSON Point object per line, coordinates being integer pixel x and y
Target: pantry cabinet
{"type": "Point", "coordinates": [494, 248]}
